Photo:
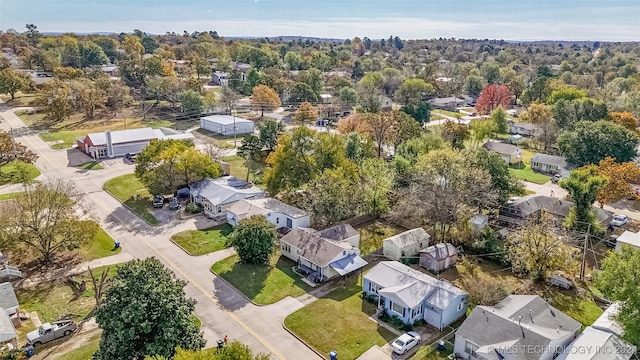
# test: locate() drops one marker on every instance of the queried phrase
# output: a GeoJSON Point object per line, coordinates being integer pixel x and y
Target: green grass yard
{"type": "Point", "coordinates": [371, 236]}
{"type": "Point", "coordinates": [236, 164]}
{"type": "Point", "coordinates": [339, 321]}
{"type": "Point", "coordinates": [524, 172]}
{"type": "Point", "coordinates": [583, 309]}
{"type": "Point", "coordinates": [9, 196]}
{"type": "Point", "coordinates": [86, 351]}
{"type": "Point", "coordinates": [100, 246]}
{"type": "Point", "coordinates": [200, 242]}
{"type": "Point", "coordinates": [16, 172]}
{"type": "Point", "coordinates": [124, 188]}
{"type": "Point", "coordinates": [263, 284]}
{"type": "Point", "coordinates": [446, 112]}
{"type": "Point", "coordinates": [91, 165]}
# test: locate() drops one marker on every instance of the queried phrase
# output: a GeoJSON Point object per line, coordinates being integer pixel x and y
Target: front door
{"type": "Point", "coordinates": [289, 223]}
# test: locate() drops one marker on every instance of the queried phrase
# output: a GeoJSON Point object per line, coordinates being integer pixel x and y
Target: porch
{"type": "Point", "coordinates": [311, 275]}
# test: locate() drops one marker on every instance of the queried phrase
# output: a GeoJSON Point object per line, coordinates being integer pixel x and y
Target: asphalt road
{"type": "Point", "coordinates": [222, 310]}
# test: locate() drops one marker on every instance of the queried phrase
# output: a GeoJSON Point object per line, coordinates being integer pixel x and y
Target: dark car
{"type": "Point", "coordinates": [130, 157]}
{"type": "Point", "coordinates": [611, 241]}
{"type": "Point", "coordinates": [158, 201]}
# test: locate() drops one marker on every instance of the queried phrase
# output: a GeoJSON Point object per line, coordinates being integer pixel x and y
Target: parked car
{"type": "Point", "coordinates": [513, 200]}
{"type": "Point", "coordinates": [619, 220]}
{"type": "Point", "coordinates": [405, 342]}
{"type": "Point", "coordinates": [130, 157]}
{"type": "Point", "coordinates": [173, 204]}
{"type": "Point", "coordinates": [611, 241]}
{"type": "Point", "coordinates": [158, 201]}
{"type": "Point", "coordinates": [51, 331]}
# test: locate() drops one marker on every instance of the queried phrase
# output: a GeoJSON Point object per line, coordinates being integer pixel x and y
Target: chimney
{"type": "Point", "coordinates": [107, 137]}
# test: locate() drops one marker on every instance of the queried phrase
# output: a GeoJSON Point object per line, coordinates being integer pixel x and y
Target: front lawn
{"type": "Point", "coordinates": [124, 188]}
{"type": "Point", "coordinates": [524, 172]}
{"type": "Point", "coordinates": [54, 299]}
{"type": "Point", "coordinates": [583, 309]}
{"type": "Point", "coordinates": [100, 246]}
{"type": "Point", "coordinates": [200, 242]}
{"type": "Point", "coordinates": [263, 284]}
{"type": "Point", "coordinates": [372, 235]}
{"type": "Point", "coordinates": [17, 172]}
{"type": "Point", "coordinates": [339, 321]}
{"type": "Point", "coordinates": [86, 351]}
{"type": "Point", "coordinates": [428, 352]}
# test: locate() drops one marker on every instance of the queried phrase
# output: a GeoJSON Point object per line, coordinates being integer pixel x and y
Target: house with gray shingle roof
{"type": "Point", "coordinates": [320, 258]}
{"type": "Point", "coordinates": [520, 327]}
{"type": "Point", "coordinates": [7, 330]}
{"type": "Point", "coordinates": [511, 154]}
{"type": "Point", "coordinates": [217, 195]}
{"type": "Point", "coordinates": [550, 164]}
{"type": "Point", "coordinates": [278, 213]}
{"type": "Point", "coordinates": [406, 244]}
{"type": "Point", "coordinates": [526, 207]}
{"type": "Point", "coordinates": [525, 129]}
{"type": "Point", "coordinates": [412, 295]}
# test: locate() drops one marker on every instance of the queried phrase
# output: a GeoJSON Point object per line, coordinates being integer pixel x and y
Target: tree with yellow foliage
{"type": "Point", "coordinates": [620, 177]}
{"type": "Point", "coordinates": [624, 118]}
{"type": "Point", "coordinates": [264, 98]}
{"type": "Point", "coordinates": [305, 113]}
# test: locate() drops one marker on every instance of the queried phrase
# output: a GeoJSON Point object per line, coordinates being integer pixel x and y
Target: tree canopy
{"type": "Point", "coordinates": [254, 239]}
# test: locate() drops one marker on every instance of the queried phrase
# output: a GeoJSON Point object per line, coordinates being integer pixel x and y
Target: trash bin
{"type": "Point", "coordinates": [220, 344]}
{"type": "Point", "coordinates": [333, 355]}
{"type": "Point", "coordinates": [440, 345]}
{"type": "Point", "coordinates": [29, 351]}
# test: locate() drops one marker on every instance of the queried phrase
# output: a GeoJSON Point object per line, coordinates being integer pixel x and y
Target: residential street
{"type": "Point", "coordinates": [222, 310]}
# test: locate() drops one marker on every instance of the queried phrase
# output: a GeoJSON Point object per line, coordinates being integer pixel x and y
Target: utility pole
{"type": "Point", "coordinates": [234, 126]}
{"type": "Point", "coordinates": [584, 252]}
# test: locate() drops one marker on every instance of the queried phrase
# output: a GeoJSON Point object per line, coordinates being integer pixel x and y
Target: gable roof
{"type": "Point", "coordinates": [558, 161]}
{"type": "Point", "coordinates": [408, 286]}
{"type": "Point", "coordinates": [607, 321]}
{"type": "Point", "coordinates": [447, 100]}
{"type": "Point", "coordinates": [226, 119]}
{"type": "Point", "coordinates": [500, 147]}
{"type": "Point", "coordinates": [594, 344]}
{"type": "Point", "coordinates": [248, 207]}
{"type": "Point", "coordinates": [408, 238]}
{"type": "Point", "coordinates": [530, 204]}
{"type": "Point", "coordinates": [221, 191]}
{"type": "Point", "coordinates": [313, 247]}
{"type": "Point", "coordinates": [629, 238]}
{"type": "Point", "coordinates": [524, 321]}
{"type": "Point", "coordinates": [440, 251]}
{"type": "Point", "coordinates": [339, 232]}
{"type": "Point", "coordinates": [8, 297]}
{"type": "Point", "coordinates": [7, 331]}
{"type": "Point", "coordinates": [526, 126]}
{"type": "Point", "coordinates": [134, 135]}
{"type": "Point", "coordinates": [348, 264]}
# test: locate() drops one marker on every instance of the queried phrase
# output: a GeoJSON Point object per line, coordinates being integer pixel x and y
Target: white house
{"type": "Point", "coordinates": [121, 142]}
{"type": "Point", "coordinates": [628, 238]}
{"type": "Point", "coordinates": [318, 257]}
{"type": "Point", "coordinates": [510, 329]}
{"type": "Point", "coordinates": [524, 129]}
{"type": "Point", "coordinates": [509, 153]}
{"type": "Point", "coordinates": [8, 332]}
{"type": "Point", "coordinates": [227, 125]}
{"type": "Point", "coordinates": [550, 164]}
{"type": "Point", "coordinates": [413, 295]}
{"type": "Point", "coordinates": [220, 78]}
{"type": "Point", "coordinates": [217, 195]}
{"type": "Point", "coordinates": [404, 244]}
{"type": "Point", "coordinates": [278, 213]}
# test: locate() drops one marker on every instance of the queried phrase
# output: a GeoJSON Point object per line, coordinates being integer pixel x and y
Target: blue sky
{"type": "Point", "coordinates": [605, 20]}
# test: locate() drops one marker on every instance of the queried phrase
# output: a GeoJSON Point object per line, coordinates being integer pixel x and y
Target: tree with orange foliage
{"type": "Point", "coordinates": [491, 97]}
{"type": "Point", "coordinates": [620, 177]}
{"type": "Point", "coordinates": [265, 98]}
{"type": "Point", "coordinates": [305, 113]}
{"type": "Point", "coordinates": [624, 118]}
{"type": "Point", "coordinates": [354, 123]}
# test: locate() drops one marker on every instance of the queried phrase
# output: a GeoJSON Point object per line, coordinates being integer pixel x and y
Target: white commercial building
{"type": "Point", "coordinates": [227, 125]}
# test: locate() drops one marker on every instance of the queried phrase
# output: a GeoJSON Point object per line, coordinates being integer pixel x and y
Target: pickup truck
{"type": "Point", "coordinates": [51, 331]}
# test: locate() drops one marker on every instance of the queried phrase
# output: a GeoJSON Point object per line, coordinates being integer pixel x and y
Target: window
{"type": "Point", "coordinates": [397, 308]}
{"type": "Point", "coordinates": [470, 348]}
{"type": "Point", "coordinates": [219, 209]}
{"type": "Point", "coordinates": [417, 311]}
{"type": "Point", "coordinates": [373, 288]}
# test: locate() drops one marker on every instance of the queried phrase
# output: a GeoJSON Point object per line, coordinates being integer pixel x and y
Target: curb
{"type": "Point", "coordinates": [236, 289]}
{"type": "Point", "coordinates": [127, 206]}
{"type": "Point", "coordinates": [302, 341]}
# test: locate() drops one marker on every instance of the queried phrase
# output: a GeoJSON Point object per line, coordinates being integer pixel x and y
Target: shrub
{"type": "Point", "coordinates": [193, 208]}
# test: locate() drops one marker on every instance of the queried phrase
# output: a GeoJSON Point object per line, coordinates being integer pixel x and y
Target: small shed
{"type": "Point", "coordinates": [479, 222]}
{"type": "Point", "coordinates": [439, 257]}
{"type": "Point", "coordinates": [404, 244]}
{"type": "Point", "coordinates": [227, 125]}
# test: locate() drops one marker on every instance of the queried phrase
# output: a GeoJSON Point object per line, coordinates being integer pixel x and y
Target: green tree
{"type": "Point", "coordinates": [269, 131]}
{"type": "Point", "coordinates": [300, 92]}
{"type": "Point", "coordinates": [502, 182]}
{"type": "Point", "coordinates": [347, 95]}
{"type": "Point", "coordinates": [376, 179]}
{"type": "Point", "coordinates": [254, 239]}
{"type": "Point", "coordinates": [145, 312]}
{"type": "Point", "coordinates": [535, 250]}
{"type": "Point", "coordinates": [12, 81]}
{"type": "Point", "coordinates": [87, 96]}
{"type": "Point", "coordinates": [333, 196]}
{"type": "Point", "coordinates": [313, 78]}
{"type": "Point", "coordinates": [411, 92]}
{"type": "Point", "coordinates": [619, 280]}
{"type": "Point", "coordinates": [583, 186]}
{"type": "Point", "coordinates": [591, 142]}
{"type": "Point", "coordinates": [369, 92]}
{"type": "Point", "coordinates": [92, 54]}
{"type": "Point", "coordinates": [456, 134]}
{"type": "Point", "coordinates": [499, 118]}
{"type": "Point", "coordinates": [391, 80]}
{"type": "Point", "coordinates": [191, 101]}
{"type": "Point", "coordinates": [46, 218]}
{"type": "Point", "coordinates": [405, 127]}
{"type": "Point", "coordinates": [132, 46]}
{"type": "Point", "coordinates": [538, 91]}
{"type": "Point", "coordinates": [421, 112]}
{"type": "Point", "coordinates": [10, 150]}
{"type": "Point", "coordinates": [201, 65]}
{"type": "Point", "coordinates": [54, 98]}
{"type": "Point", "coordinates": [252, 153]}
{"type": "Point", "coordinates": [567, 94]}
{"type": "Point", "coordinates": [294, 60]}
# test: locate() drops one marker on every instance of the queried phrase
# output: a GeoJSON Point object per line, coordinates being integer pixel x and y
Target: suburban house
{"type": "Point", "coordinates": [220, 78]}
{"type": "Point", "coordinates": [550, 164]}
{"type": "Point", "coordinates": [320, 258]}
{"type": "Point", "coordinates": [9, 302]}
{"type": "Point", "coordinates": [628, 238]}
{"type": "Point", "coordinates": [278, 213]}
{"type": "Point", "coordinates": [8, 332]}
{"type": "Point", "coordinates": [111, 70]}
{"type": "Point", "coordinates": [8, 272]}
{"type": "Point", "coordinates": [406, 244]}
{"type": "Point", "coordinates": [438, 257]}
{"type": "Point", "coordinates": [511, 154]}
{"type": "Point", "coordinates": [227, 125]}
{"type": "Point", "coordinates": [447, 103]}
{"type": "Point", "coordinates": [386, 103]}
{"type": "Point", "coordinates": [529, 206]}
{"type": "Point", "coordinates": [601, 340]}
{"type": "Point", "coordinates": [524, 129]}
{"type": "Point", "coordinates": [412, 295]}
{"type": "Point", "coordinates": [217, 195]}
{"type": "Point", "coordinates": [342, 232]}
{"type": "Point", "coordinates": [110, 144]}
{"type": "Point", "coordinates": [510, 329]}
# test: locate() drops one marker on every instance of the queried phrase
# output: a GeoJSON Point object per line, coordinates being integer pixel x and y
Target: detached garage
{"type": "Point", "coordinates": [224, 125]}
